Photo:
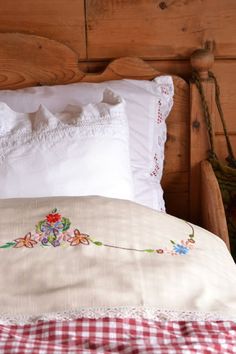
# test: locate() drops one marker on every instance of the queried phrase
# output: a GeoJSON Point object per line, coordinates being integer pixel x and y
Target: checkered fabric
{"type": "Point", "coordinates": [124, 336]}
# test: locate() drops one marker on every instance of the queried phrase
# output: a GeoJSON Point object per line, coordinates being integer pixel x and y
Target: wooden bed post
{"type": "Point", "coordinates": [201, 61]}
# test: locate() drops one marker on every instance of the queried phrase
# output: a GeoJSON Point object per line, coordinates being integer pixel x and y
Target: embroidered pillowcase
{"type": "Point", "coordinates": [148, 104]}
{"type": "Point", "coordinates": [84, 150]}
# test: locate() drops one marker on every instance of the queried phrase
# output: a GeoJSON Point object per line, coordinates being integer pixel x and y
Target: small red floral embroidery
{"type": "Point", "coordinates": [160, 251]}
{"type": "Point", "coordinates": [156, 168]}
{"type": "Point", "coordinates": [51, 218]}
{"type": "Point", "coordinates": [159, 114]}
{"type": "Point", "coordinates": [164, 90]}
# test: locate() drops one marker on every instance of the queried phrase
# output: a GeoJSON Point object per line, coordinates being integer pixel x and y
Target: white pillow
{"type": "Point", "coordinates": [83, 150]}
{"type": "Point", "coordinates": [148, 104]}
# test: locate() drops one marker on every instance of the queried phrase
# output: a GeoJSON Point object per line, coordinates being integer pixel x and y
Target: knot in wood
{"type": "Point", "coordinates": [196, 124]}
{"type": "Point", "coordinates": [162, 5]}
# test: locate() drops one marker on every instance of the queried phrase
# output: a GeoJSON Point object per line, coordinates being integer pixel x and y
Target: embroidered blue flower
{"type": "Point", "coordinates": [52, 229]}
{"type": "Point", "coordinates": [180, 249]}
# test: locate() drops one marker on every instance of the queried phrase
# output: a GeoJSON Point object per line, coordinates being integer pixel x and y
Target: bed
{"type": "Point", "coordinates": [90, 261]}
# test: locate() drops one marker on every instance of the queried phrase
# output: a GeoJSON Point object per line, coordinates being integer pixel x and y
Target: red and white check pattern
{"type": "Point", "coordinates": [124, 336]}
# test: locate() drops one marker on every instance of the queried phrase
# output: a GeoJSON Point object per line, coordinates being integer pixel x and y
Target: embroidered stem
{"type": "Point", "coordinates": [55, 231]}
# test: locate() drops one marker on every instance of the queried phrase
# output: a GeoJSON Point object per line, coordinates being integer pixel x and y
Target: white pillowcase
{"type": "Point", "coordinates": [83, 150]}
{"type": "Point", "coordinates": [148, 104]}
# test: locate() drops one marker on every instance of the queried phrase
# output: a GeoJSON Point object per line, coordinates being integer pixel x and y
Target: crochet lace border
{"type": "Point", "coordinates": [118, 312]}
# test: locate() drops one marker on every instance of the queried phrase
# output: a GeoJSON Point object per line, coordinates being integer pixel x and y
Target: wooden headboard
{"type": "Point", "coordinates": [28, 60]}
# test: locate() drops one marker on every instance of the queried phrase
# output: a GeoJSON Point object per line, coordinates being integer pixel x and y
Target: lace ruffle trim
{"type": "Point", "coordinates": [115, 127]}
{"type": "Point", "coordinates": [118, 312]}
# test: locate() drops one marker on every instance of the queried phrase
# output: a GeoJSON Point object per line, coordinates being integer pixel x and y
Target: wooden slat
{"type": "Point", "coordinates": [60, 20]}
{"type": "Point", "coordinates": [199, 144]}
{"type": "Point", "coordinates": [159, 29]}
{"type": "Point", "coordinates": [212, 208]}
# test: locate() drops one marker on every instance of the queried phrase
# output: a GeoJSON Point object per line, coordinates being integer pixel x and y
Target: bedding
{"type": "Point", "coordinates": [115, 335]}
{"type": "Point", "coordinates": [66, 258]}
{"type": "Point", "coordinates": [83, 150]}
{"type": "Point", "coordinates": [148, 104]}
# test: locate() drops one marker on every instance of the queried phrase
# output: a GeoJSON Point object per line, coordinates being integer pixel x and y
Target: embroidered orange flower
{"type": "Point", "coordinates": [25, 241]}
{"type": "Point", "coordinates": [52, 218]}
{"type": "Point", "coordinates": [78, 238]}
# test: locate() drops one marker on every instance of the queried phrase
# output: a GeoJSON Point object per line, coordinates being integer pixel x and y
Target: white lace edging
{"type": "Point", "coordinates": [165, 83]}
{"type": "Point", "coordinates": [115, 127]}
{"type": "Point", "coordinates": [106, 118]}
{"type": "Point", "coordinates": [118, 312]}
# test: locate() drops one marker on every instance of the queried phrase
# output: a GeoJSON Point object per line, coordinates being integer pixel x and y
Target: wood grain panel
{"type": "Point", "coordinates": [213, 219]}
{"type": "Point", "coordinates": [199, 143]}
{"type": "Point", "coordinates": [61, 20]}
{"type": "Point", "coordinates": [221, 146]}
{"type": "Point", "coordinates": [225, 71]}
{"type": "Point", "coordinates": [27, 60]}
{"type": "Point", "coordinates": [159, 29]}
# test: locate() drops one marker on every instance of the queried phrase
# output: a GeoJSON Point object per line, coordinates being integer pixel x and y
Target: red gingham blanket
{"type": "Point", "coordinates": [126, 336]}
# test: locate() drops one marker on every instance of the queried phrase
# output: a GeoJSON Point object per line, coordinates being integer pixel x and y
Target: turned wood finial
{"type": "Point", "coordinates": [202, 61]}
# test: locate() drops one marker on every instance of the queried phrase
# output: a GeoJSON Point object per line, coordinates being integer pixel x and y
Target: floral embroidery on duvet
{"type": "Point", "coordinates": [55, 231]}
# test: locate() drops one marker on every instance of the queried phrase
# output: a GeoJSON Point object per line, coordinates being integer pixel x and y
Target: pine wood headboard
{"type": "Point", "coordinates": [28, 60]}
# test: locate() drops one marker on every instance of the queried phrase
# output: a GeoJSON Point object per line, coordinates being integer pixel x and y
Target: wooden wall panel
{"type": "Point", "coordinates": [61, 20]}
{"type": "Point", "coordinates": [159, 29]}
{"type": "Point", "coordinates": [225, 71]}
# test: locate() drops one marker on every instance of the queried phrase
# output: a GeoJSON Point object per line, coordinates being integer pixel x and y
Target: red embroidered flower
{"type": "Point", "coordinates": [52, 218]}
{"type": "Point", "coordinates": [160, 251]}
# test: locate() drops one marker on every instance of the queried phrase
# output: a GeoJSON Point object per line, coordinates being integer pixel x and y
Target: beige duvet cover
{"type": "Point", "coordinates": [63, 258]}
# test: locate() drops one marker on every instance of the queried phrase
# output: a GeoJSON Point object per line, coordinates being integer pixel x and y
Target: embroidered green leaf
{"type": "Point", "coordinates": [97, 243]}
{"type": "Point", "coordinates": [66, 223]}
{"type": "Point", "coordinates": [39, 225]}
{"type": "Point", "coordinates": [8, 245]}
{"type": "Point", "coordinates": [149, 250]}
{"type": "Point", "coordinates": [54, 211]}
{"type": "Point", "coordinates": [51, 238]}
{"type": "Point", "coordinates": [172, 242]}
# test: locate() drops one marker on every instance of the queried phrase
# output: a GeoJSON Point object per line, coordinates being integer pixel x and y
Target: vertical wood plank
{"type": "Point", "coordinates": [212, 208]}
{"type": "Point", "coordinates": [199, 143]}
